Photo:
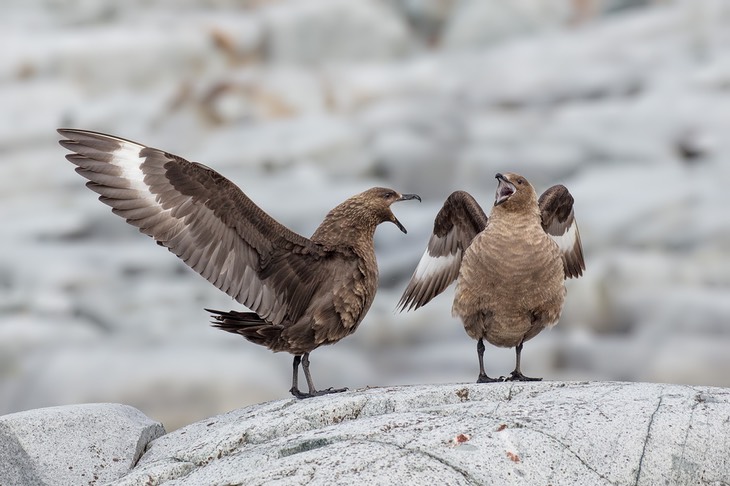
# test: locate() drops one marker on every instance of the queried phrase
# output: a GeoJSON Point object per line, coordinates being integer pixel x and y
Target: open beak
{"type": "Point", "coordinates": [403, 197]}
{"type": "Point", "coordinates": [504, 190]}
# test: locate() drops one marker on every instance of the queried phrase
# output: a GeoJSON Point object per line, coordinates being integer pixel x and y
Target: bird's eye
{"type": "Point", "coordinates": [520, 181]}
{"type": "Point", "coordinates": [388, 195]}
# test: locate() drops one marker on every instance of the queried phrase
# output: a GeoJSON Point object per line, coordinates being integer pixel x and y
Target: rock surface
{"type": "Point", "coordinates": [536, 433]}
{"type": "Point", "coordinates": [73, 445]}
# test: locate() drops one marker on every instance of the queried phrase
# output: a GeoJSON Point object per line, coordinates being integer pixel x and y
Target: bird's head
{"type": "Point", "coordinates": [378, 200]}
{"type": "Point", "coordinates": [514, 192]}
{"type": "Point", "coordinates": [359, 215]}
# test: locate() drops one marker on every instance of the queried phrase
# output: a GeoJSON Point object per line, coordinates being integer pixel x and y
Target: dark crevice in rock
{"type": "Point", "coordinates": [307, 445]}
{"type": "Point", "coordinates": [146, 437]}
{"type": "Point", "coordinates": [567, 448]}
{"type": "Point", "coordinates": [409, 450]}
{"type": "Point", "coordinates": [681, 462]}
{"type": "Point", "coordinates": [509, 392]}
{"type": "Point", "coordinates": [648, 436]}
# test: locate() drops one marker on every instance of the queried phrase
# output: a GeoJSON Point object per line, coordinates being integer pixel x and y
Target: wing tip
{"type": "Point", "coordinates": [406, 304]}
{"type": "Point", "coordinates": [73, 134]}
{"type": "Point", "coordinates": [80, 136]}
{"type": "Point", "coordinates": [65, 132]}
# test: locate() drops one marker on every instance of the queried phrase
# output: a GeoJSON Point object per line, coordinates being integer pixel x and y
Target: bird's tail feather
{"type": "Point", "coordinates": [248, 325]}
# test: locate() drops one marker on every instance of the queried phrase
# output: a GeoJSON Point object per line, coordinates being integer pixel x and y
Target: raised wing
{"type": "Point", "coordinates": [204, 219]}
{"type": "Point", "coordinates": [457, 223]}
{"type": "Point", "coordinates": [558, 221]}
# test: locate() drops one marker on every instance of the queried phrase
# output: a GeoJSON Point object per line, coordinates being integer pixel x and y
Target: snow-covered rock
{"type": "Point", "coordinates": [326, 30]}
{"type": "Point", "coordinates": [483, 22]}
{"type": "Point", "coordinates": [73, 445]}
{"type": "Point", "coordinates": [538, 433]}
{"type": "Point", "coordinates": [526, 433]}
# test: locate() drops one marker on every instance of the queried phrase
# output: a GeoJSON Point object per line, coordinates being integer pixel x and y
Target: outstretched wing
{"type": "Point", "coordinates": [457, 223]}
{"type": "Point", "coordinates": [204, 219]}
{"type": "Point", "coordinates": [558, 221]}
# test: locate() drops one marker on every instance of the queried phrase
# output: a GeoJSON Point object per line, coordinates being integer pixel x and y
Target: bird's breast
{"type": "Point", "coordinates": [511, 265]}
{"type": "Point", "coordinates": [363, 284]}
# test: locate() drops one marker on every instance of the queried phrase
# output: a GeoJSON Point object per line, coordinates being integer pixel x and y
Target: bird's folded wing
{"type": "Point", "coordinates": [457, 223]}
{"type": "Point", "coordinates": [339, 311]}
{"type": "Point", "coordinates": [204, 219]}
{"type": "Point", "coordinates": [558, 221]}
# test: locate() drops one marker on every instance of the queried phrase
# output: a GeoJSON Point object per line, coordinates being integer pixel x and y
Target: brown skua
{"type": "Point", "coordinates": [510, 267]}
{"type": "Point", "coordinates": [302, 292]}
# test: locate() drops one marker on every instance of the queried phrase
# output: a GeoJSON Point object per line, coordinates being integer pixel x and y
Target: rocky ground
{"type": "Point", "coordinates": [305, 103]}
{"type": "Point", "coordinates": [467, 434]}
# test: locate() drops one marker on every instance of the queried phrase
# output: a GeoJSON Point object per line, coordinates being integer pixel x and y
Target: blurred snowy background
{"type": "Point", "coordinates": [303, 103]}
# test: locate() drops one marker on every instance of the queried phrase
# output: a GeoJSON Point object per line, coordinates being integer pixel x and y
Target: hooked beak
{"type": "Point", "coordinates": [505, 189]}
{"type": "Point", "coordinates": [403, 197]}
{"type": "Point", "coordinates": [408, 197]}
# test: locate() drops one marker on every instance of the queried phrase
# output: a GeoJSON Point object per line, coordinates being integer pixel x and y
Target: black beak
{"type": "Point", "coordinates": [404, 197]}
{"type": "Point", "coordinates": [399, 225]}
{"type": "Point", "coordinates": [505, 189]}
{"type": "Point", "coordinates": [408, 197]}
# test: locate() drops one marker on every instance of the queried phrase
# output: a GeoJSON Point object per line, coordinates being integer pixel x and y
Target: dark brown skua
{"type": "Point", "coordinates": [510, 266]}
{"type": "Point", "coordinates": [303, 292]}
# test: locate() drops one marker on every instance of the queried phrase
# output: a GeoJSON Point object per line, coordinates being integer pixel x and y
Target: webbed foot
{"type": "Point", "coordinates": [518, 376]}
{"type": "Point", "coordinates": [301, 395]}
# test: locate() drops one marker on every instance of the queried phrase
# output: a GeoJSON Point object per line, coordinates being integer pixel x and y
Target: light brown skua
{"type": "Point", "coordinates": [510, 267]}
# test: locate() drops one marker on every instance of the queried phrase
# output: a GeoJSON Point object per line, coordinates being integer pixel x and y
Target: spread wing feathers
{"type": "Point", "coordinates": [457, 223]}
{"type": "Point", "coordinates": [558, 221]}
{"type": "Point", "coordinates": [204, 219]}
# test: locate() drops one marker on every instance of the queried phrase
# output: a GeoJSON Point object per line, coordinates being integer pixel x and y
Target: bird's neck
{"type": "Point", "coordinates": [343, 226]}
{"type": "Point", "coordinates": [526, 217]}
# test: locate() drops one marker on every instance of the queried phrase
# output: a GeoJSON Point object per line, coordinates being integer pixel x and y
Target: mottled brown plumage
{"type": "Point", "coordinates": [303, 292]}
{"type": "Point", "coordinates": [510, 268]}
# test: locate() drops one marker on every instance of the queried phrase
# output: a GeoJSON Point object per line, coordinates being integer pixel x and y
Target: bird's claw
{"type": "Point", "coordinates": [487, 379]}
{"type": "Point", "coordinates": [517, 376]}
{"type": "Point", "coordinates": [301, 395]}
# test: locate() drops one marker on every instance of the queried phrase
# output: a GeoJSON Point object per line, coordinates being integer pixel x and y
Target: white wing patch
{"type": "Point", "coordinates": [430, 266]}
{"type": "Point", "coordinates": [128, 160]}
{"type": "Point", "coordinates": [566, 241]}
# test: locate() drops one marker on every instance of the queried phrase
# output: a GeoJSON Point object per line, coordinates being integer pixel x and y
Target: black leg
{"type": "Point", "coordinates": [517, 375]}
{"type": "Point", "coordinates": [304, 359]}
{"type": "Point", "coordinates": [483, 378]}
{"type": "Point", "coordinates": [307, 375]}
{"type": "Point", "coordinates": [295, 379]}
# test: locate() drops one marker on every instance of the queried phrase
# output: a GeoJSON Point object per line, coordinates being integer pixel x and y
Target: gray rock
{"type": "Point", "coordinates": [327, 30]}
{"type": "Point", "coordinates": [73, 445]}
{"type": "Point", "coordinates": [426, 18]}
{"type": "Point", "coordinates": [536, 433]}
{"type": "Point", "coordinates": [479, 22]}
